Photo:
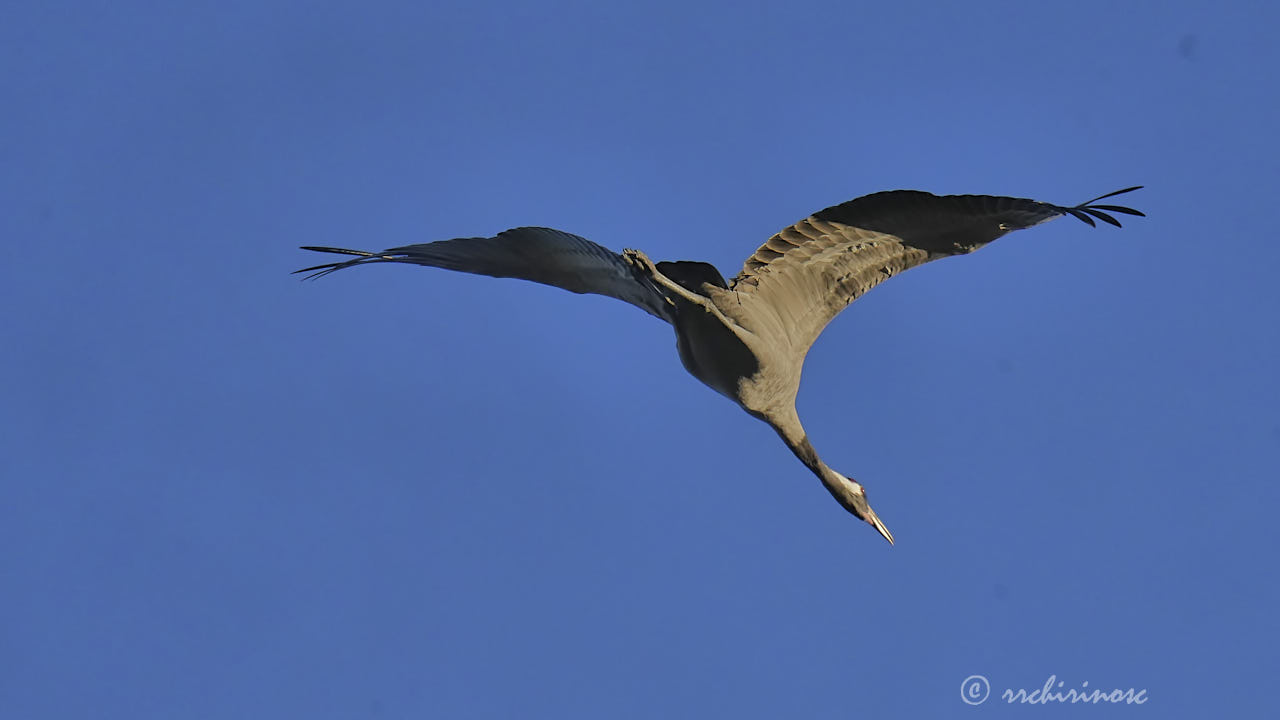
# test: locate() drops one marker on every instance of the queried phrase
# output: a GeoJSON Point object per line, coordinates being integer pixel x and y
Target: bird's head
{"type": "Point", "coordinates": [854, 499]}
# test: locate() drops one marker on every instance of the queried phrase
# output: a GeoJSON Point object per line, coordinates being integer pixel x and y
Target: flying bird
{"type": "Point", "coordinates": [747, 338]}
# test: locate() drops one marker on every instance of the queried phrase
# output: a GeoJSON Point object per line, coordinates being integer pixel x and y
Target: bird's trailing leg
{"type": "Point", "coordinates": [645, 268]}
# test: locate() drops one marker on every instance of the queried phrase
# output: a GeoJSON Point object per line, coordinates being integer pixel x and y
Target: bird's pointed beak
{"type": "Point", "coordinates": [879, 526]}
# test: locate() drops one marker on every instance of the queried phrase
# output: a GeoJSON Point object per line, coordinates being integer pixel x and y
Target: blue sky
{"type": "Point", "coordinates": [400, 492]}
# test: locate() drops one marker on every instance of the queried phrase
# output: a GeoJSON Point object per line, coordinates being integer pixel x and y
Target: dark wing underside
{"type": "Point", "coordinates": [540, 255]}
{"type": "Point", "coordinates": [691, 274]}
{"type": "Point", "coordinates": [806, 274]}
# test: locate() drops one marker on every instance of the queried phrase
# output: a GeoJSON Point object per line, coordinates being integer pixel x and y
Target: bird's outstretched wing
{"type": "Point", "coordinates": [541, 255]}
{"type": "Point", "coordinates": [806, 274]}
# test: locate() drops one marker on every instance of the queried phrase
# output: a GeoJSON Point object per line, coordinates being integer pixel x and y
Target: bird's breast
{"type": "Point", "coordinates": [713, 353]}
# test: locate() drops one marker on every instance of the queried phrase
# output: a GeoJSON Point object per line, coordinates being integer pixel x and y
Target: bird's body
{"type": "Point", "coordinates": [747, 338]}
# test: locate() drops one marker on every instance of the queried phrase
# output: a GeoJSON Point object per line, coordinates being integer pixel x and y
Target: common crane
{"type": "Point", "coordinates": [747, 338]}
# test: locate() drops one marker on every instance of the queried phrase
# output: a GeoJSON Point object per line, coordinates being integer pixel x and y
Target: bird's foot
{"type": "Point", "coordinates": [639, 262]}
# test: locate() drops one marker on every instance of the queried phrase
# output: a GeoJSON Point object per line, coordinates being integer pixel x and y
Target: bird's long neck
{"type": "Point", "coordinates": [800, 445]}
{"type": "Point", "coordinates": [804, 450]}
{"type": "Point", "coordinates": [846, 492]}
{"type": "Point", "coordinates": [793, 434]}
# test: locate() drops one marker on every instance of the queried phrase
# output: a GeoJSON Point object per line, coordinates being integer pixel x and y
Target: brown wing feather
{"type": "Point", "coordinates": [802, 277]}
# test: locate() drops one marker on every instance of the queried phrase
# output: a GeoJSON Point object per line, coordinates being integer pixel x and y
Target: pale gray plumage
{"type": "Point", "coordinates": [747, 338]}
